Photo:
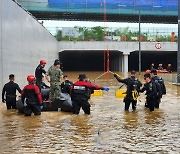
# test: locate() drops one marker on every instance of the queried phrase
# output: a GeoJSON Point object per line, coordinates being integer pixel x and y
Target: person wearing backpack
{"type": "Point", "coordinates": [161, 88]}
{"type": "Point", "coordinates": [133, 84]}
{"type": "Point", "coordinates": [151, 92]}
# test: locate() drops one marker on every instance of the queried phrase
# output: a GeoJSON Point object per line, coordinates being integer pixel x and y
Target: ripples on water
{"type": "Point", "coordinates": [107, 130]}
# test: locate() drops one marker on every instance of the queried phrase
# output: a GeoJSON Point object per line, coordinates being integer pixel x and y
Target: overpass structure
{"type": "Point", "coordinates": [151, 11]}
{"type": "Point", "coordinates": [120, 53]}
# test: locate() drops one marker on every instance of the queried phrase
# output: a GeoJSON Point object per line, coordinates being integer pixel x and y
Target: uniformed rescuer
{"type": "Point", "coordinates": [9, 90]}
{"type": "Point", "coordinates": [80, 94]}
{"type": "Point", "coordinates": [55, 74]}
{"type": "Point", "coordinates": [31, 97]}
{"type": "Point", "coordinates": [132, 92]}
{"type": "Point", "coordinates": [151, 92]}
{"type": "Point", "coordinates": [39, 73]}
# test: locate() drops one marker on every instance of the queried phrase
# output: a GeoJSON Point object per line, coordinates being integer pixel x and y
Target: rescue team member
{"type": "Point", "coordinates": [160, 86]}
{"type": "Point", "coordinates": [160, 67]}
{"type": "Point", "coordinates": [132, 92]}
{"type": "Point", "coordinates": [43, 84]}
{"type": "Point", "coordinates": [55, 74]}
{"type": "Point", "coordinates": [66, 85]}
{"type": "Point", "coordinates": [39, 73]}
{"type": "Point", "coordinates": [152, 67]}
{"type": "Point", "coordinates": [80, 94]}
{"type": "Point", "coordinates": [10, 90]}
{"type": "Point", "coordinates": [168, 68]}
{"type": "Point", "coordinates": [151, 92]}
{"type": "Point", "coordinates": [31, 97]}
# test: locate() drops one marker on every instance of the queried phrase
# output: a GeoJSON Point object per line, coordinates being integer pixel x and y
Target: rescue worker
{"type": "Point", "coordinates": [132, 92]}
{"type": "Point", "coordinates": [31, 97]}
{"type": "Point", "coordinates": [55, 74]}
{"type": "Point", "coordinates": [160, 67]}
{"type": "Point", "coordinates": [169, 69]}
{"type": "Point", "coordinates": [43, 84]}
{"type": "Point", "coordinates": [151, 92]}
{"type": "Point", "coordinates": [39, 73]}
{"type": "Point", "coordinates": [66, 85]}
{"type": "Point", "coordinates": [80, 94]}
{"type": "Point", "coordinates": [152, 67]}
{"type": "Point", "coordinates": [160, 86]}
{"type": "Point", "coordinates": [10, 90]}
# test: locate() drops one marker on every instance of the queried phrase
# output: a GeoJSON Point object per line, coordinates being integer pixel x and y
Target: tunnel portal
{"type": "Point", "coordinates": [86, 60]}
{"type": "Point", "coordinates": [149, 57]}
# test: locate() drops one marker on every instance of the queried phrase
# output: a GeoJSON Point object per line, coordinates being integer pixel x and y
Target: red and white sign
{"type": "Point", "coordinates": [158, 46]}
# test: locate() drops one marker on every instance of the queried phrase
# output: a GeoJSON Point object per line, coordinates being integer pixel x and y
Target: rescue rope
{"type": "Point", "coordinates": [135, 94]}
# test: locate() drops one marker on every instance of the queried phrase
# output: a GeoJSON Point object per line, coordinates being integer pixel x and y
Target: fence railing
{"type": "Point", "coordinates": [150, 34]}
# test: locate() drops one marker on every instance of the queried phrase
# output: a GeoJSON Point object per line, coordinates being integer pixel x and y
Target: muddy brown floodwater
{"type": "Point", "coordinates": [107, 130]}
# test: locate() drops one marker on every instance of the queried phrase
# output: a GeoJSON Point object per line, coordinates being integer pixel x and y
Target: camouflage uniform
{"type": "Point", "coordinates": [55, 76]}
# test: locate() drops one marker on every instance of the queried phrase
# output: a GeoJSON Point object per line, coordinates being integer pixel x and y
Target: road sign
{"type": "Point", "coordinates": [158, 46]}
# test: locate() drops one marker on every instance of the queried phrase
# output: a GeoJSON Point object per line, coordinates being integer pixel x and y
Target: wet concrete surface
{"type": "Point", "coordinates": [107, 130]}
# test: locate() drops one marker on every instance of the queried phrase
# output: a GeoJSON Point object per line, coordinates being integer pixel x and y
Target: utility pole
{"type": "Point", "coordinates": [139, 40]}
{"type": "Point", "coordinates": [178, 53]}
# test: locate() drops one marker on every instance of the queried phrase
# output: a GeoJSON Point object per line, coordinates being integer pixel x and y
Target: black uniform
{"type": "Point", "coordinates": [161, 89]}
{"type": "Point", "coordinates": [151, 94]}
{"type": "Point", "coordinates": [66, 86]}
{"type": "Point", "coordinates": [44, 86]}
{"type": "Point", "coordinates": [10, 90]}
{"type": "Point", "coordinates": [132, 84]}
{"type": "Point", "coordinates": [38, 73]}
{"type": "Point", "coordinates": [80, 95]}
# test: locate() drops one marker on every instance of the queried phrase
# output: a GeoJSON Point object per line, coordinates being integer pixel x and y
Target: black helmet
{"type": "Point", "coordinates": [82, 76]}
{"type": "Point", "coordinates": [147, 75]}
{"type": "Point", "coordinates": [133, 72]}
{"type": "Point", "coordinates": [56, 62]}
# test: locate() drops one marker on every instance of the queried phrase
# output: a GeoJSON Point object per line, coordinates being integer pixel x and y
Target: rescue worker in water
{"type": "Point", "coordinates": [133, 86]}
{"type": "Point", "coordinates": [31, 97]}
{"type": "Point", "coordinates": [151, 92]}
{"type": "Point", "coordinates": [10, 90]}
{"type": "Point", "coordinates": [80, 94]}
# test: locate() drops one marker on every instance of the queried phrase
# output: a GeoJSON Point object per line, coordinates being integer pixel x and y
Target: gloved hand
{"type": "Point", "coordinates": [41, 107]}
{"type": "Point", "coordinates": [115, 75]}
{"type": "Point", "coordinates": [3, 100]}
{"type": "Point", "coordinates": [106, 88]}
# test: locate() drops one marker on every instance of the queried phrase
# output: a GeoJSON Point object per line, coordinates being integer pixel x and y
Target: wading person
{"type": "Point", "coordinates": [66, 85]}
{"type": "Point", "coordinates": [9, 90]}
{"type": "Point", "coordinates": [43, 84]}
{"type": "Point", "coordinates": [31, 97]}
{"type": "Point", "coordinates": [160, 86]}
{"type": "Point", "coordinates": [39, 73]}
{"type": "Point", "coordinates": [151, 92]}
{"type": "Point", "coordinates": [132, 92]}
{"type": "Point", "coordinates": [80, 94]}
{"type": "Point", "coordinates": [152, 67]}
{"type": "Point", "coordinates": [55, 74]}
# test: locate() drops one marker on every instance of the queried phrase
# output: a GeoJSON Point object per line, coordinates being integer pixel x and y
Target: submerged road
{"type": "Point", "coordinates": [107, 130]}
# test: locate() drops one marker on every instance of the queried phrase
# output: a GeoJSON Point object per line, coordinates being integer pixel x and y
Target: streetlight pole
{"type": "Point", "coordinates": [139, 40]}
{"type": "Point", "coordinates": [178, 53]}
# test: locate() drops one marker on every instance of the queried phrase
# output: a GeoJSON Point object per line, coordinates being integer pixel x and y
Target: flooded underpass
{"type": "Point", "coordinates": [107, 130]}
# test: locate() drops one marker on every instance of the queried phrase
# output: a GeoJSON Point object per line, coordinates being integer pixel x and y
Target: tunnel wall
{"type": "Point", "coordinates": [23, 42]}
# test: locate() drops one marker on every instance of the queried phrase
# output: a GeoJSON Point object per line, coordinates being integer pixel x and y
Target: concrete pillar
{"type": "Point", "coordinates": [125, 63]}
{"type": "Point", "coordinates": [120, 63]}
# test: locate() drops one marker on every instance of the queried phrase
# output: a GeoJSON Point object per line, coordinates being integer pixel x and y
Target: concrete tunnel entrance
{"type": "Point", "coordinates": [78, 60]}
{"type": "Point", "coordinates": [156, 57]}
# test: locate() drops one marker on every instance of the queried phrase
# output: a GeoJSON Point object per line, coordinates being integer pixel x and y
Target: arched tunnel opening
{"type": "Point", "coordinates": [149, 57]}
{"type": "Point", "coordinates": [79, 60]}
